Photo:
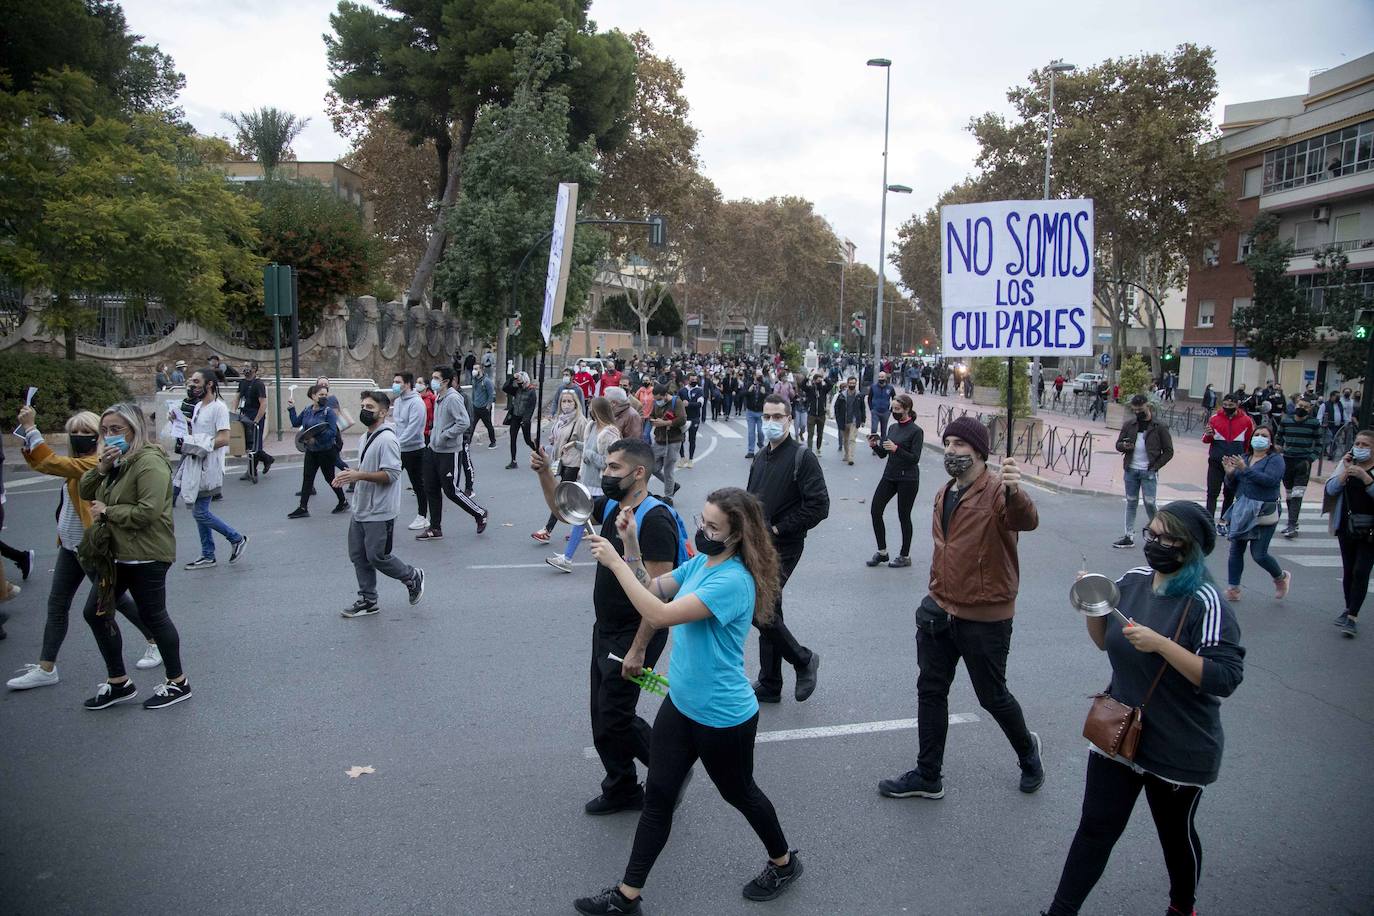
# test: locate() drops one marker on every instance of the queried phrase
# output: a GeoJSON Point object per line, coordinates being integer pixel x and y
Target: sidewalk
{"type": "Point", "coordinates": [1074, 444]}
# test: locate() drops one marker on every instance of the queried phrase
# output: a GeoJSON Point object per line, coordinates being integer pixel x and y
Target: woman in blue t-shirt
{"type": "Point", "coordinates": [711, 712]}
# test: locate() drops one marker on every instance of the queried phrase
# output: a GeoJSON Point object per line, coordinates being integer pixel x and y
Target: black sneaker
{"type": "Point", "coordinates": [200, 563]}
{"type": "Point", "coordinates": [878, 559]}
{"type": "Point", "coordinates": [25, 564]}
{"type": "Point", "coordinates": [360, 608]}
{"type": "Point", "coordinates": [1124, 542]}
{"type": "Point", "coordinates": [1032, 771]}
{"type": "Point", "coordinates": [806, 678]}
{"type": "Point", "coordinates": [168, 694]}
{"type": "Point", "coordinates": [340, 509]}
{"type": "Point", "coordinates": [609, 901]}
{"type": "Point", "coordinates": [416, 586]}
{"type": "Point", "coordinates": [774, 879]}
{"type": "Point", "coordinates": [900, 562]}
{"type": "Point", "coordinates": [765, 695]}
{"type": "Point", "coordinates": [512, 466]}
{"type": "Point", "coordinates": [911, 784]}
{"type": "Point", "coordinates": [1347, 625]}
{"type": "Point", "coordinates": [239, 548]}
{"type": "Point", "coordinates": [482, 522]}
{"type": "Point", "coordinates": [1290, 533]}
{"type": "Point", "coordinates": [603, 805]}
{"type": "Point", "coordinates": [300, 512]}
{"type": "Point", "coordinates": [109, 694]}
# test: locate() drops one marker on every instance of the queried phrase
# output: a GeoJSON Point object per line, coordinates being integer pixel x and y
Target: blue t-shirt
{"type": "Point", "coordinates": [706, 671]}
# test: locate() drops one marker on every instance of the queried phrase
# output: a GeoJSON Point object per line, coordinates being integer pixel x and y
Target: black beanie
{"type": "Point", "coordinates": [971, 431]}
{"type": "Point", "coordinates": [1201, 528]}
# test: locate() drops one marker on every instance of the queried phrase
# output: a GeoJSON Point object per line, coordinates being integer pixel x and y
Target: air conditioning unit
{"type": "Point", "coordinates": [1321, 214]}
{"type": "Point", "coordinates": [1211, 259]}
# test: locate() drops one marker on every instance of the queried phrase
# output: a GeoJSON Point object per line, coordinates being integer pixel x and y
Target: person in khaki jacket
{"type": "Point", "coordinates": [974, 577]}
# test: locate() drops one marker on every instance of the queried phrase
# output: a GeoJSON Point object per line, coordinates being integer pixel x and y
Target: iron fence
{"type": "Point", "coordinates": [1062, 450]}
{"type": "Point", "coordinates": [122, 321]}
{"type": "Point", "coordinates": [410, 327]}
{"type": "Point", "coordinates": [13, 309]}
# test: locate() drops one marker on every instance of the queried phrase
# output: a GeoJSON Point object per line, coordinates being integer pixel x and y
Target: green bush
{"type": "Point", "coordinates": [792, 356]}
{"type": "Point", "coordinates": [64, 387]}
{"type": "Point", "coordinates": [991, 372]}
{"type": "Point", "coordinates": [1134, 377]}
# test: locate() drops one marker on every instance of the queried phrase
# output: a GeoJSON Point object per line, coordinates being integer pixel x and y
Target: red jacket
{"type": "Point", "coordinates": [1228, 435]}
{"type": "Point", "coordinates": [585, 382]}
{"type": "Point", "coordinates": [610, 379]}
{"type": "Point", "coordinates": [428, 397]}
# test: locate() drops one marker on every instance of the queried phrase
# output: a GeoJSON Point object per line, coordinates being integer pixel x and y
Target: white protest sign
{"type": "Point", "coordinates": [1017, 278]}
{"type": "Point", "coordinates": [560, 258]}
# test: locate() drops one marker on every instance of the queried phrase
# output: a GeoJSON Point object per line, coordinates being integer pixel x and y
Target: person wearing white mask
{"type": "Point", "coordinates": [1255, 513]}
{"type": "Point", "coordinates": [1350, 493]}
{"type": "Point", "coordinates": [408, 421]}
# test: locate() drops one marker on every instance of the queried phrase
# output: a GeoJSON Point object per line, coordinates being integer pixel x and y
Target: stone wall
{"type": "Point", "coordinates": [326, 352]}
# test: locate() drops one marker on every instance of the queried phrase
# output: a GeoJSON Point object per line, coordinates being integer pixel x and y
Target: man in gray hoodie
{"type": "Point", "coordinates": [376, 500]}
{"type": "Point", "coordinates": [408, 418]}
{"type": "Point", "coordinates": [445, 439]}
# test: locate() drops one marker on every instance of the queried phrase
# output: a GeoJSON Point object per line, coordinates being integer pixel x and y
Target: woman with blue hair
{"type": "Point", "coordinates": [1183, 678]}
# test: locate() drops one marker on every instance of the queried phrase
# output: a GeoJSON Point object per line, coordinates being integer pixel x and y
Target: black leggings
{"type": "Point", "coordinates": [728, 756]}
{"type": "Point", "coordinates": [147, 583]}
{"type": "Point", "coordinates": [692, 426]}
{"type": "Point", "coordinates": [523, 424]}
{"type": "Point", "coordinates": [67, 576]}
{"type": "Point", "coordinates": [905, 491]}
{"type": "Point", "coordinates": [1357, 559]}
{"type": "Point", "coordinates": [564, 473]}
{"type": "Point", "coordinates": [1218, 485]}
{"type": "Point", "coordinates": [6, 551]}
{"type": "Point", "coordinates": [413, 462]}
{"type": "Point", "coordinates": [324, 462]}
{"type": "Point", "coordinates": [439, 471]}
{"type": "Point", "coordinates": [1108, 799]}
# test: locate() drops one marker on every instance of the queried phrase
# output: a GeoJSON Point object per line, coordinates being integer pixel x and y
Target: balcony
{"type": "Point", "coordinates": [1360, 253]}
{"type": "Point", "coordinates": [1319, 192]}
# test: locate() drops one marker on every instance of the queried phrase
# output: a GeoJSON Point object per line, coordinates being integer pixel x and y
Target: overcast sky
{"type": "Point", "coordinates": [779, 88]}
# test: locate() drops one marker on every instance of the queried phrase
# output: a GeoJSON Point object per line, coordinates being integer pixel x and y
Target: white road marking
{"type": "Point", "coordinates": [521, 565]}
{"type": "Point", "coordinates": [830, 731]}
{"type": "Point", "coordinates": [1280, 546]}
{"type": "Point", "coordinates": [1331, 562]}
{"type": "Point", "coordinates": [725, 432]}
{"type": "Point", "coordinates": [29, 482]}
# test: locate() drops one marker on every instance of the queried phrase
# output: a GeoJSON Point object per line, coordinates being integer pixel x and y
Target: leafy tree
{"type": "Point", "coordinates": [1131, 133]}
{"type": "Point", "coordinates": [91, 37]}
{"type": "Point", "coordinates": [1135, 377]}
{"type": "Point", "coordinates": [267, 134]}
{"type": "Point", "coordinates": [108, 205]}
{"type": "Point", "coordinates": [1342, 299]}
{"type": "Point", "coordinates": [398, 180]}
{"type": "Point", "coordinates": [432, 64]}
{"type": "Point", "coordinates": [617, 312]}
{"type": "Point", "coordinates": [1278, 323]}
{"type": "Point", "coordinates": [518, 155]}
{"type": "Point", "coordinates": [306, 225]}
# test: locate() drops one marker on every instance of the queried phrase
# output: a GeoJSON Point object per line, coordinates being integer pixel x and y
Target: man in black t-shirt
{"type": "Point", "coordinates": [621, 737]}
{"type": "Point", "coordinates": [253, 417]}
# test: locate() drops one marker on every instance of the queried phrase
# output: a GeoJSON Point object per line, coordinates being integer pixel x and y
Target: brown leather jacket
{"type": "Point", "coordinates": [975, 572]}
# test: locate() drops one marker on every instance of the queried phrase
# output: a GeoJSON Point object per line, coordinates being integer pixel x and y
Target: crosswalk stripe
{"type": "Point", "coordinates": [725, 432]}
{"type": "Point", "coordinates": [1323, 561]}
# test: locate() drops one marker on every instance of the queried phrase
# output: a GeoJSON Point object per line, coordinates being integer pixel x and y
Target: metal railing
{"type": "Point", "coordinates": [13, 308]}
{"type": "Point", "coordinates": [1064, 450]}
{"type": "Point", "coordinates": [121, 321]}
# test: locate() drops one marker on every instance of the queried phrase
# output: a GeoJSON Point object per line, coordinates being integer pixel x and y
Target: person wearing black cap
{"type": "Point", "coordinates": [1181, 741]}
{"type": "Point", "coordinates": [974, 578]}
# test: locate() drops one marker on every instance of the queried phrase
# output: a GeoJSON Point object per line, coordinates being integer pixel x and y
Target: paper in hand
{"type": "Point", "coordinates": [28, 395]}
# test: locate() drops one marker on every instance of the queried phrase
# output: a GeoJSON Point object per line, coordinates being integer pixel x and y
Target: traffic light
{"type": "Point", "coordinates": [1364, 324]}
{"type": "Point", "coordinates": [926, 342]}
{"type": "Point", "coordinates": [920, 351]}
{"type": "Point", "coordinates": [1168, 353]}
{"type": "Point", "coordinates": [835, 345]}
{"type": "Point", "coordinates": [658, 232]}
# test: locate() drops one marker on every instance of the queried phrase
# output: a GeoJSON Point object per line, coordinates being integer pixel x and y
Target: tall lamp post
{"type": "Point", "coordinates": [839, 328]}
{"type": "Point", "coordinates": [1055, 67]}
{"type": "Point", "coordinates": [882, 228]}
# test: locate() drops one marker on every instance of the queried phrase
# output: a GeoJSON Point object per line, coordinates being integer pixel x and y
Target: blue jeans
{"type": "Point", "coordinates": [753, 430]}
{"type": "Point", "coordinates": [799, 421]}
{"type": "Point", "coordinates": [1135, 482]}
{"type": "Point", "coordinates": [1259, 550]}
{"type": "Point", "coordinates": [206, 522]}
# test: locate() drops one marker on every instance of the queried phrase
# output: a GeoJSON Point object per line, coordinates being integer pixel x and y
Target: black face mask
{"type": "Point", "coordinates": [367, 417]}
{"type": "Point", "coordinates": [1163, 559]}
{"type": "Point", "coordinates": [194, 393]}
{"type": "Point", "coordinates": [1142, 418]}
{"type": "Point", "coordinates": [1229, 411]}
{"type": "Point", "coordinates": [83, 445]}
{"type": "Point", "coordinates": [707, 546]}
{"type": "Point", "coordinates": [614, 487]}
{"type": "Point", "coordinates": [1300, 414]}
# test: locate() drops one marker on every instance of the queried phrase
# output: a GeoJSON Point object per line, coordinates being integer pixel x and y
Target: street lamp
{"type": "Point", "coordinates": [882, 228]}
{"type": "Point", "coordinates": [844, 269]}
{"type": "Point", "coordinates": [1055, 67]}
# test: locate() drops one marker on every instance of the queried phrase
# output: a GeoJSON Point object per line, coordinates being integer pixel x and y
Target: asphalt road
{"type": "Point", "coordinates": [472, 706]}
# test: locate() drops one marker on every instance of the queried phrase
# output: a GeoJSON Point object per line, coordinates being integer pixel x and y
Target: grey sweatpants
{"type": "Point", "coordinates": [665, 462]}
{"type": "Point", "coordinates": [369, 547]}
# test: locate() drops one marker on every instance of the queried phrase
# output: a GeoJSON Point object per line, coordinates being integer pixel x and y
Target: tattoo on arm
{"type": "Point", "coordinates": [641, 575]}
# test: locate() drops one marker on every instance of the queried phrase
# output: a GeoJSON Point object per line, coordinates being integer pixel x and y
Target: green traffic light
{"type": "Point", "coordinates": [1362, 332]}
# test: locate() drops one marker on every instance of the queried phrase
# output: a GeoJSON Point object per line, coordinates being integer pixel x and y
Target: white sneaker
{"type": "Point", "coordinates": [33, 676]}
{"type": "Point", "coordinates": [560, 563]}
{"type": "Point", "coordinates": [419, 523]}
{"type": "Point", "coordinates": [152, 657]}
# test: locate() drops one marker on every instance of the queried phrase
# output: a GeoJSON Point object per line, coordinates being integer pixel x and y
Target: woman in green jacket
{"type": "Point", "coordinates": [130, 491]}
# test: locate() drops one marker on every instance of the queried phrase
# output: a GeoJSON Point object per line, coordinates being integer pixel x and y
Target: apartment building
{"type": "Point", "coordinates": [1308, 159]}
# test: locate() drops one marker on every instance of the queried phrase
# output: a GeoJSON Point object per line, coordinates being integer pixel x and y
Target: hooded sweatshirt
{"type": "Point", "coordinates": [408, 421]}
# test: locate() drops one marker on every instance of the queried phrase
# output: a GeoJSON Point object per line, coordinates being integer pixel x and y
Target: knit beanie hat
{"type": "Point", "coordinates": [971, 431]}
{"type": "Point", "coordinates": [1201, 528]}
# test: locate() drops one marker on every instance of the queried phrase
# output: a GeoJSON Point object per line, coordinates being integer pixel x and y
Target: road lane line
{"type": "Point", "coordinates": [830, 731]}
{"type": "Point", "coordinates": [725, 432]}
{"type": "Point", "coordinates": [520, 565]}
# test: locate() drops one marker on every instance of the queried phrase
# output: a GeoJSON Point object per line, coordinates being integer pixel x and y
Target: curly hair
{"type": "Point", "coordinates": [754, 546]}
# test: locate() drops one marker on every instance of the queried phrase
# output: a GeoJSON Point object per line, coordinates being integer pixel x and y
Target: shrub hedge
{"type": "Point", "coordinates": [64, 387]}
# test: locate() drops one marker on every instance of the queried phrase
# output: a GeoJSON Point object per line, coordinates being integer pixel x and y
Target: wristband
{"type": "Point", "coordinates": [632, 559]}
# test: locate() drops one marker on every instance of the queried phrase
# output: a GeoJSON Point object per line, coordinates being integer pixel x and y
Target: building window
{"type": "Point", "coordinates": [1308, 236]}
{"type": "Point", "coordinates": [1331, 155]}
{"type": "Point", "coordinates": [1314, 286]}
{"type": "Point", "coordinates": [1210, 255]}
{"type": "Point", "coordinates": [1347, 231]}
{"type": "Point", "coordinates": [1237, 305]}
{"type": "Point", "coordinates": [1247, 245]}
{"type": "Point", "coordinates": [1250, 185]}
{"type": "Point", "coordinates": [1206, 313]}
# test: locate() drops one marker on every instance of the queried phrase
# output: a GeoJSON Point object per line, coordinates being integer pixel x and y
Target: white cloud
{"type": "Point", "coordinates": [779, 89]}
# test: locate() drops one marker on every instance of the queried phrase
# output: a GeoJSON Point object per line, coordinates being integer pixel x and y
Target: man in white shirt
{"type": "Point", "coordinates": [200, 475]}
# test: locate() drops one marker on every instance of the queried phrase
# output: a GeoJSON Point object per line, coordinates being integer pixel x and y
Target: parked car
{"type": "Point", "coordinates": [1086, 382]}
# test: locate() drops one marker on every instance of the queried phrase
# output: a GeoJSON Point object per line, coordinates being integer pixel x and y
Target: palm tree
{"type": "Point", "coordinates": [267, 133]}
